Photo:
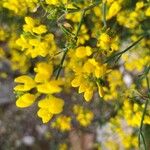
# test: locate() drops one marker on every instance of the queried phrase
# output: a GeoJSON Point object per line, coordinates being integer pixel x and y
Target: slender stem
{"type": "Point", "coordinates": [66, 49]}
{"type": "Point", "coordinates": [84, 9]}
{"type": "Point", "coordinates": [42, 5]}
{"type": "Point", "coordinates": [79, 25]}
{"type": "Point", "coordinates": [143, 115]}
{"type": "Point", "coordinates": [132, 45]}
{"type": "Point", "coordinates": [52, 57]}
{"type": "Point", "coordinates": [104, 14]}
{"type": "Point", "coordinates": [147, 81]}
{"type": "Point", "coordinates": [119, 54]}
{"type": "Point", "coordinates": [143, 139]}
{"type": "Point", "coordinates": [61, 63]}
{"type": "Point", "coordinates": [92, 6]}
{"type": "Point", "coordinates": [66, 31]}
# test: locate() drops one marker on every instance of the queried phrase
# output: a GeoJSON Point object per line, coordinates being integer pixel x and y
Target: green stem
{"type": "Point", "coordinates": [119, 54]}
{"type": "Point", "coordinates": [84, 9]}
{"type": "Point", "coordinates": [52, 57]}
{"type": "Point", "coordinates": [66, 49]}
{"type": "Point", "coordinates": [42, 5]}
{"type": "Point", "coordinates": [104, 14]}
{"type": "Point", "coordinates": [143, 115]}
{"type": "Point", "coordinates": [143, 139]}
{"type": "Point", "coordinates": [92, 6]}
{"type": "Point", "coordinates": [79, 25]}
{"type": "Point", "coordinates": [61, 63]}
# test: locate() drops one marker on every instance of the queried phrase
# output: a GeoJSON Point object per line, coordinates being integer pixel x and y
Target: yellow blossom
{"type": "Point", "coordinates": [43, 72]}
{"type": "Point", "coordinates": [48, 107]}
{"type": "Point", "coordinates": [83, 115]}
{"type": "Point", "coordinates": [82, 51]}
{"type": "Point", "coordinates": [139, 5]}
{"type": "Point", "coordinates": [27, 83]}
{"type": "Point", "coordinates": [40, 29]}
{"type": "Point", "coordinates": [30, 23]}
{"type": "Point", "coordinates": [62, 123]}
{"type": "Point", "coordinates": [113, 10]}
{"type": "Point", "coordinates": [25, 100]}
{"type": "Point", "coordinates": [45, 115]}
{"type": "Point", "coordinates": [50, 87]}
{"type": "Point", "coordinates": [53, 104]}
{"type": "Point", "coordinates": [147, 12]}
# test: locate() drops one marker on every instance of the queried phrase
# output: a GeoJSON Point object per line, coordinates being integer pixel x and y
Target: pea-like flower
{"type": "Point", "coordinates": [25, 100]}
{"type": "Point", "coordinates": [49, 107]}
{"type": "Point", "coordinates": [26, 83]}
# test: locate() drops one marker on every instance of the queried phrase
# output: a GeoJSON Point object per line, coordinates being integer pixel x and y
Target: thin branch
{"type": "Point", "coordinates": [143, 139]}
{"type": "Point", "coordinates": [52, 57]}
{"type": "Point", "coordinates": [143, 115]}
{"type": "Point", "coordinates": [92, 6]}
{"type": "Point", "coordinates": [119, 54]}
{"type": "Point", "coordinates": [42, 5]}
{"type": "Point", "coordinates": [66, 49]}
{"type": "Point", "coordinates": [84, 9]}
{"type": "Point", "coordinates": [104, 14]}
{"type": "Point", "coordinates": [61, 63]}
{"type": "Point", "coordinates": [80, 23]}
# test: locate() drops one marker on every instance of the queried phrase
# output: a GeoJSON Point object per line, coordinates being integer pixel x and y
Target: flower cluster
{"type": "Point", "coordinates": [44, 85]}
{"type": "Point", "coordinates": [66, 55]}
{"type": "Point", "coordinates": [83, 115]}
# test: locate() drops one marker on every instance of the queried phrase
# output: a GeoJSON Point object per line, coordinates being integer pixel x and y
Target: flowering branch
{"type": "Point", "coordinates": [66, 49]}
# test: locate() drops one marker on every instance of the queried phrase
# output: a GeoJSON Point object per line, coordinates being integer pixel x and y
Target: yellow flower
{"type": "Point", "coordinates": [48, 107]}
{"type": "Point", "coordinates": [113, 10]}
{"type": "Point", "coordinates": [40, 29]}
{"type": "Point", "coordinates": [147, 12]}
{"type": "Point", "coordinates": [63, 146]}
{"type": "Point", "coordinates": [23, 42]}
{"type": "Point", "coordinates": [139, 5]}
{"type": "Point", "coordinates": [107, 43]}
{"type": "Point", "coordinates": [37, 48]}
{"type": "Point", "coordinates": [53, 104]}
{"type": "Point", "coordinates": [83, 115]}
{"type": "Point", "coordinates": [27, 83]}
{"type": "Point", "coordinates": [3, 34]}
{"type": "Point", "coordinates": [85, 79]}
{"type": "Point", "coordinates": [50, 87]}
{"type": "Point", "coordinates": [25, 100]}
{"type": "Point", "coordinates": [62, 123]}
{"type": "Point", "coordinates": [84, 86]}
{"type": "Point", "coordinates": [45, 115]}
{"type": "Point", "coordinates": [43, 72]}
{"type": "Point", "coordinates": [52, 2]}
{"type": "Point", "coordinates": [100, 90]}
{"type": "Point", "coordinates": [30, 23]}
{"type": "Point", "coordinates": [20, 7]}
{"type": "Point", "coordinates": [105, 38]}
{"type": "Point", "coordinates": [82, 51]}
{"type": "Point", "coordinates": [55, 2]}
{"type": "Point", "coordinates": [2, 53]}
{"type": "Point", "coordinates": [88, 94]}
{"type": "Point", "coordinates": [104, 41]}
{"type": "Point", "coordinates": [83, 36]}
{"type": "Point", "coordinates": [97, 69]}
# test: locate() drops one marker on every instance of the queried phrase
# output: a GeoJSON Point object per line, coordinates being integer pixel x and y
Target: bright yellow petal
{"type": "Point", "coordinates": [25, 100]}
